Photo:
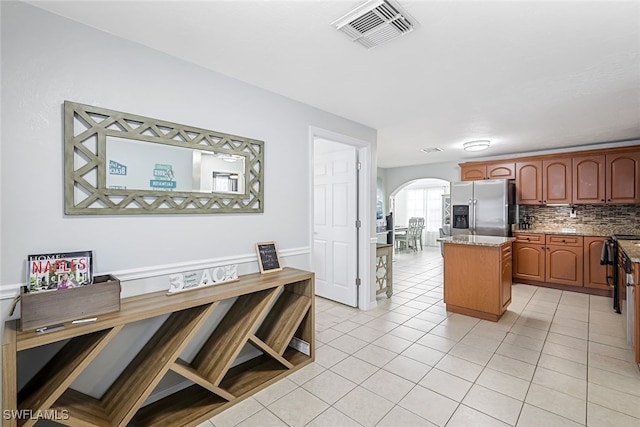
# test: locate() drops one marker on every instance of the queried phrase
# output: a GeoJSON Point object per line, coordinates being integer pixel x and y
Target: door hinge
{"type": "Point", "coordinates": [358, 165]}
{"type": "Point", "coordinates": [358, 282]}
{"type": "Point", "coordinates": [358, 223]}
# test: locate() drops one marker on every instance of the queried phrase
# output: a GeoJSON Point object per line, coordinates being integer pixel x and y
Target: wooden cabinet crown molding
{"type": "Point", "coordinates": [593, 152]}
{"type": "Point", "coordinates": [610, 175]}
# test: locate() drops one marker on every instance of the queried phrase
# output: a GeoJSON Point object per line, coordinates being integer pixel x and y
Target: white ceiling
{"type": "Point", "coordinates": [528, 75]}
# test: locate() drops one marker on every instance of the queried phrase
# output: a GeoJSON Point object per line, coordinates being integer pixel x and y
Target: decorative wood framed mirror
{"type": "Point", "coordinates": [121, 163]}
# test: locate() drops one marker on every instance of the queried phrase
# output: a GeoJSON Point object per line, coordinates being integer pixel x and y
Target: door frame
{"type": "Point", "coordinates": [366, 206]}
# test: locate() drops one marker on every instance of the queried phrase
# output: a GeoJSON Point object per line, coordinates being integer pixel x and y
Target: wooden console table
{"type": "Point", "coordinates": [268, 312]}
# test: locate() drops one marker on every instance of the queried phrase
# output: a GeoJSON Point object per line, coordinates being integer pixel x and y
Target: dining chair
{"type": "Point", "coordinates": [410, 239]}
{"type": "Point", "coordinates": [418, 222]}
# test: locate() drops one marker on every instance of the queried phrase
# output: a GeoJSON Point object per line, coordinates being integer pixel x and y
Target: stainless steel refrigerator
{"type": "Point", "coordinates": [484, 207]}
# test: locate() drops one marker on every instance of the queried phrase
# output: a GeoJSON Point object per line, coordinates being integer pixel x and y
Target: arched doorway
{"type": "Point", "coordinates": [426, 198]}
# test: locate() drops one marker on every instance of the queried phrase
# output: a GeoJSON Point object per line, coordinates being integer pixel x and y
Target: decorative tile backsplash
{"type": "Point", "coordinates": [623, 216]}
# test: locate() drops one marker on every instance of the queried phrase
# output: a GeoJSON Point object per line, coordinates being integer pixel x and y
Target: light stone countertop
{"type": "Point", "coordinates": [631, 248]}
{"type": "Point", "coordinates": [582, 230]}
{"type": "Point", "coordinates": [478, 240]}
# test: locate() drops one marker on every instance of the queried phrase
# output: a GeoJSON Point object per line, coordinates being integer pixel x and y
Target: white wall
{"type": "Point", "coordinates": [398, 177]}
{"type": "Point", "coordinates": [47, 59]}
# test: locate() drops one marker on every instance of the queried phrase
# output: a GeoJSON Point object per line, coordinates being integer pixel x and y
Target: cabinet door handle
{"type": "Point", "coordinates": [539, 201]}
{"type": "Point", "coordinates": [602, 200]}
{"type": "Point", "coordinates": [564, 241]}
{"type": "Point", "coordinates": [608, 200]}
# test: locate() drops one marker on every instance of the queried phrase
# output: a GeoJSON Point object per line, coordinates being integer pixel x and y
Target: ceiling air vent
{"type": "Point", "coordinates": [375, 22]}
{"type": "Point", "coordinates": [432, 150]}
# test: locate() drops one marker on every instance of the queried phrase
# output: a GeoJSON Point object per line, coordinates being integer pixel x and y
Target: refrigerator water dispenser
{"type": "Point", "coordinates": [461, 216]}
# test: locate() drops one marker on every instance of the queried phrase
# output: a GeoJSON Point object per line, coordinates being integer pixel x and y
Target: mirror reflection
{"type": "Point", "coordinates": [141, 165]}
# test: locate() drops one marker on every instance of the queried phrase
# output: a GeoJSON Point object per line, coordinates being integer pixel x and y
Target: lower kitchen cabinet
{"type": "Point", "coordinates": [529, 257]}
{"type": "Point", "coordinates": [564, 265]}
{"type": "Point", "coordinates": [595, 274]}
{"type": "Point", "coordinates": [566, 260]}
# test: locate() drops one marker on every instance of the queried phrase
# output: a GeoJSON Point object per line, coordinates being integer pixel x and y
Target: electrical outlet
{"type": "Point", "coordinates": [300, 345]}
{"type": "Point", "coordinates": [572, 214]}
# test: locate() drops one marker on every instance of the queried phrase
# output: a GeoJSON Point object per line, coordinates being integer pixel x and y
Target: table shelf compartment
{"type": "Point", "coordinates": [223, 346]}
{"type": "Point", "coordinates": [61, 370]}
{"type": "Point", "coordinates": [83, 410]}
{"type": "Point", "coordinates": [282, 321]}
{"type": "Point", "coordinates": [247, 376]}
{"type": "Point", "coordinates": [172, 410]}
{"type": "Point", "coordinates": [151, 363]}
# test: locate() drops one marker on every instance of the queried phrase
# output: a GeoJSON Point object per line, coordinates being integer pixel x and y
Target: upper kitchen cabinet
{"type": "Point", "coordinates": [589, 179]}
{"type": "Point", "coordinates": [478, 171]}
{"type": "Point", "coordinates": [556, 181]}
{"type": "Point", "coordinates": [473, 172]}
{"type": "Point", "coordinates": [623, 177]}
{"type": "Point", "coordinates": [607, 178]}
{"type": "Point", "coordinates": [529, 182]}
{"type": "Point", "coordinates": [542, 182]}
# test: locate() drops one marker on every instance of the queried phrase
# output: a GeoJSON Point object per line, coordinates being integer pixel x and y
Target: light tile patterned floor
{"type": "Point", "coordinates": [554, 359]}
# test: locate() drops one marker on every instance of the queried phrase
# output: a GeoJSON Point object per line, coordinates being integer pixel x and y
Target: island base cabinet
{"type": "Point", "coordinates": [477, 280]}
{"type": "Point", "coordinates": [507, 276]}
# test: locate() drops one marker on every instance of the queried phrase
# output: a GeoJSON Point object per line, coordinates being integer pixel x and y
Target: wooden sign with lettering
{"type": "Point", "coordinates": [268, 258]}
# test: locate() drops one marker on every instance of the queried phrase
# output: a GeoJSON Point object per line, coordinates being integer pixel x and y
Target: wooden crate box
{"type": "Point", "coordinates": [42, 309]}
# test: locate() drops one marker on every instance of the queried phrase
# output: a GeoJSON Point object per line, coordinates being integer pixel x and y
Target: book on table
{"type": "Point", "coordinates": [58, 271]}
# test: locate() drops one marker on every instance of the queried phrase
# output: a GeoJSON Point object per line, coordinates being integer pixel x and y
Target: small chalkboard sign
{"type": "Point", "coordinates": [268, 258]}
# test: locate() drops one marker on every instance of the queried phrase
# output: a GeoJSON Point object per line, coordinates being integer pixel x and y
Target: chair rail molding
{"type": "Point", "coordinates": [12, 290]}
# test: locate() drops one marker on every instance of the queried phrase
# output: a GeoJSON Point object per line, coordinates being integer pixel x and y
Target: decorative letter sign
{"type": "Point", "coordinates": [189, 280]}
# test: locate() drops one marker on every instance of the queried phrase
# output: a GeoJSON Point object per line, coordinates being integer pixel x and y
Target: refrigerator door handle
{"type": "Point", "coordinates": [475, 202]}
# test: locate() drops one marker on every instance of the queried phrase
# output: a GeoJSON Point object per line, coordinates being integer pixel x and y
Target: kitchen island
{"type": "Point", "coordinates": [477, 275]}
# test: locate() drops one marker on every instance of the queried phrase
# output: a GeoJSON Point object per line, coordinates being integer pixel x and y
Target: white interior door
{"type": "Point", "coordinates": [335, 243]}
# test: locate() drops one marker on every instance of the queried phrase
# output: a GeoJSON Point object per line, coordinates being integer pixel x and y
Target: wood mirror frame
{"type": "Point", "coordinates": [86, 129]}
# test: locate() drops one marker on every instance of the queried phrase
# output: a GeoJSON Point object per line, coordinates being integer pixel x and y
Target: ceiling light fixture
{"type": "Point", "coordinates": [479, 145]}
